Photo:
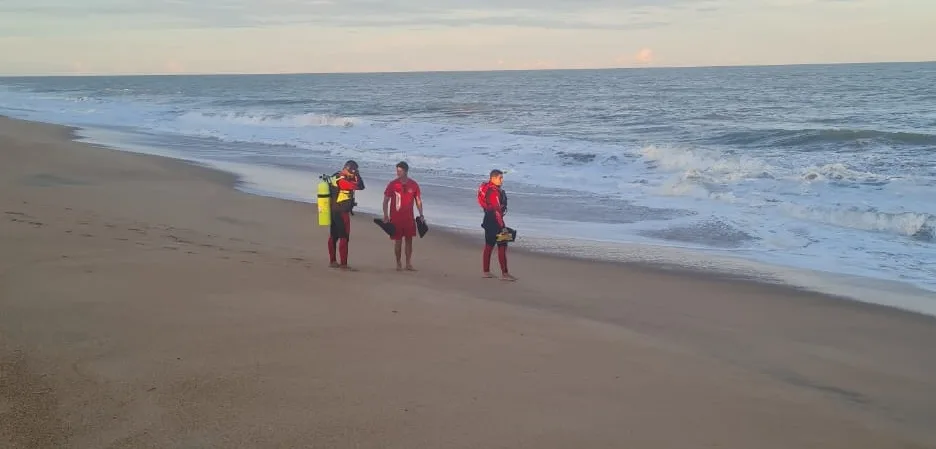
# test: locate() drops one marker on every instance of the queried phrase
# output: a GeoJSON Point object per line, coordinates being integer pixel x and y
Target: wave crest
{"type": "Point", "coordinates": [704, 164]}
{"type": "Point", "coordinates": [791, 138]}
{"type": "Point", "coordinates": [840, 174]}
{"type": "Point", "coordinates": [270, 120]}
{"type": "Point", "coordinates": [918, 226]}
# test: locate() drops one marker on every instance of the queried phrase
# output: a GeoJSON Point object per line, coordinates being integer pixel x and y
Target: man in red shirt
{"type": "Point", "coordinates": [399, 197]}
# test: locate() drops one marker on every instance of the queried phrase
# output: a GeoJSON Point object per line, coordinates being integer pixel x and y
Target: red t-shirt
{"type": "Point", "coordinates": [402, 196]}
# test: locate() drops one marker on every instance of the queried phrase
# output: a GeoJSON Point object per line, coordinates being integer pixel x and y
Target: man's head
{"type": "Point", "coordinates": [497, 177]}
{"type": "Point", "coordinates": [351, 167]}
{"type": "Point", "coordinates": [402, 170]}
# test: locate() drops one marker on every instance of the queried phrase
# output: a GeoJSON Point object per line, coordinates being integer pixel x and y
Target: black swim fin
{"type": "Point", "coordinates": [421, 227]}
{"type": "Point", "coordinates": [386, 226]}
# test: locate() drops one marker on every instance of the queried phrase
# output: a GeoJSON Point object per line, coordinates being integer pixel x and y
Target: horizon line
{"type": "Point", "coordinates": [717, 66]}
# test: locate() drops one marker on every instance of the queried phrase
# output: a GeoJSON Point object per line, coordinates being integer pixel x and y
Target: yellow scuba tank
{"type": "Point", "coordinates": [324, 202]}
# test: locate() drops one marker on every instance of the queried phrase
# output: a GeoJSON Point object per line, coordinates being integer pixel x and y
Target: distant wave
{"type": "Point", "coordinates": [710, 174]}
{"type": "Point", "coordinates": [839, 173]}
{"type": "Point", "coordinates": [711, 166]}
{"type": "Point", "coordinates": [918, 226]}
{"type": "Point", "coordinates": [268, 119]}
{"type": "Point", "coordinates": [706, 165]}
{"type": "Point", "coordinates": [807, 137]}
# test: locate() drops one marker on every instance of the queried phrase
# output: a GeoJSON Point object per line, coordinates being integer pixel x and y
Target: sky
{"type": "Point", "coordinates": [302, 36]}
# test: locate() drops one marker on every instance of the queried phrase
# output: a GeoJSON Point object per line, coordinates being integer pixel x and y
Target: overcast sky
{"type": "Point", "coordinates": [272, 36]}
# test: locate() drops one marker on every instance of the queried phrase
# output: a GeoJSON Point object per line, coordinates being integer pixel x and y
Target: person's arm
{"type": "Point", "coordinates": [486, 204]}
{"type": "Point", "coordinates": [494, 203]}
{"type": "Point", "coordinates": [419, 205]}
{"type": "Point", "coordinates": [386, 203]}
{"type": "Point", "coordinates": [346, 184]}
{"type": "Point", "coordinates": [360, 182]}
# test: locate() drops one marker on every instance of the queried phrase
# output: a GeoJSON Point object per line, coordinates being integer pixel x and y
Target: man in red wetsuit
{"type": "Point", "coordinates": [493, 200]}
{"type": "Point", "coordinates": [399, 197]}
{"type": "Point", "coordinates": [343, 185]}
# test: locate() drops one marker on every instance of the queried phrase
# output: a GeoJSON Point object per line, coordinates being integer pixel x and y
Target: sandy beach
{"type": "Point", "coordinates": [146, 303]}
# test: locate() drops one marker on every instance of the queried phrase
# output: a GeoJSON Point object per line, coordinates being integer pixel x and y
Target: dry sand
{"type": "Point", "coordinates": [146, 303]}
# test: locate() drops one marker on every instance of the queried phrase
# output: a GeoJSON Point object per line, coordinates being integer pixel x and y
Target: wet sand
{"type": "Point", "coordinates": [145, 303]}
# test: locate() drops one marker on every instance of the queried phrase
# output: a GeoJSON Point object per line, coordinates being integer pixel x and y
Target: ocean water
{"type": "Point", "coordinates": [816, 170]}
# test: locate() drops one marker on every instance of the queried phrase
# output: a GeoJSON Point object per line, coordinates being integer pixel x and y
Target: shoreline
{"type": "Point", "coordinates": [147, 303]}
{"type": "Point", "coordinates": [670, 259]}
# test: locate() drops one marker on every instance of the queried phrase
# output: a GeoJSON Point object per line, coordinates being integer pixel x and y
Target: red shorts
{"type": "Point", "coordinates": [405, 227]}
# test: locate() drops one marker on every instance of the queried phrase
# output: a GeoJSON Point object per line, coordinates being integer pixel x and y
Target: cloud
{"type": "Point", "coordinates": [558, 14]}
{"type": "Point", "coordinates": [644, 56]}
{"type": "Point", "coordinates": [173, 66]}
{"type": "Point", "coordinates": [235, 36]}
{"type": "Point", "coordinates": [79, 67]}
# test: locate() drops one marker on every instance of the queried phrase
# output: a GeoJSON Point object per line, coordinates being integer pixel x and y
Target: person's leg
{"type": "Point", "coordinates": [490, 239]}
{"type": "Point", "coordinates": [335, 231]}
{"type": "Point", "coordinates": [397, 251]}
{"type": "Point", "coordinates": [502, 259]}
{"type": "Point", "coordinates": [343, 242]}
{"type": "Point", "coordinates": [486, 260]}
{"type": "Point", "coordinates": [408, 240]}
{"type": "Point", "coordinates": [332, 251]}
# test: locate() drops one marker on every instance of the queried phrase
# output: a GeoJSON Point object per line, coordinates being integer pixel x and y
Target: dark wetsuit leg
{"type": "Point", "coordinates": [339, 234]}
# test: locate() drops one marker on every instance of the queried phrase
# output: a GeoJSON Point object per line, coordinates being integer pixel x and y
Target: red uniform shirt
{"type": "Point", "coordinates": [402, 197]}
{"type": "Point", "coordinates": [493, 201]}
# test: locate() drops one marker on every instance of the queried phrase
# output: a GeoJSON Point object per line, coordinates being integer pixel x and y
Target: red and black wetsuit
{"type": "Point", "coordinates": [342, 205]}
{"type": "Point", "coordinates": [493, 200]}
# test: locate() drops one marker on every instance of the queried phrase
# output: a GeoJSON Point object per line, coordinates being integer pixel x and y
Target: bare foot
{"type": "Point", "coordinates": [487, 275]}
{"type": "Point", "coordinates": [346, 268]}
{"type": "Point", "coordinates": [508, 277]}
{"type": "Point", "coordinates": [333, 265]}
{"type": "Point", "coordinates": [410, 268]}
{"type": "Point", "coordinates": [399, 267]}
